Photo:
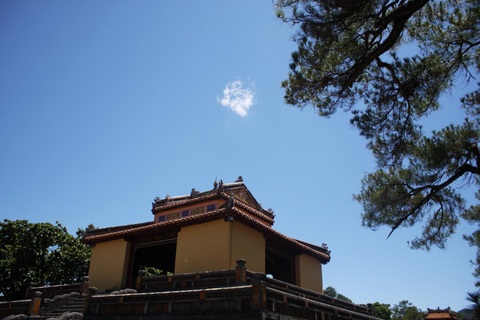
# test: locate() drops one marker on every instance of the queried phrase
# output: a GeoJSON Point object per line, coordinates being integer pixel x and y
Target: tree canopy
{"type": "Point", "coordinates": [332, 292]}
{"type": "Point", "coordinates": [405, 310]}
{"type": "Point", "coordinates": [382, 311]}
{"type": "Point", "coordinates": [474, 298]}
{"type": "Point", "coordinates": [388, 62]}
{"type": "Point", "coordinates": [42, 253]}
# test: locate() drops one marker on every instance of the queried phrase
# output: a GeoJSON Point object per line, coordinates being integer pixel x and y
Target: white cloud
{"type": "Point", "coordinates": [237, 98]}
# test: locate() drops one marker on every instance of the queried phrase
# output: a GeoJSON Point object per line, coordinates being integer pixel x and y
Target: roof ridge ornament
{"type": "Point", "coordinates": [240, 179]}
{"type": "Point", "coordinates": [220, 188]}
{"type": "Point", "coordinates": [194, 193]}
{"type": "Point", "coordinates": [231, 201]}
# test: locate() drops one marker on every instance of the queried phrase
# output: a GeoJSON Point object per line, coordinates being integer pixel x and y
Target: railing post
{"type": "Point", "coordinates": [84, 288]}
{"type": "Point", "coordinates": [30, 287]}
{"type": "Point", "coordinates": [259, 291]}
{"type": "Point", "coordinates": [35, 304]}
{"type": "Point", "coordinates": [91, 292]}
{"type": "Point", "coordinates": [370, 308]}
{"type": "Point", "coordinates": [141, 275]}
{"type": "Point", "coordinates": [241, 272]}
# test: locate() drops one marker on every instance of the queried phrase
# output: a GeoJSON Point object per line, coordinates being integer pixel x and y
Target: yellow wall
{"type": "Point", "coordinates": [203, 247]}
{"type": "Point", "coordinates": [216, 245]}
{"type": "Point", "coordinates": [213, 245]}
{"type": "Point", "coordinates": [247, 244]}
{"type": "Point", "coordinates": [108, 266]}
{"type": "Point", "coordinates": [308, 273]}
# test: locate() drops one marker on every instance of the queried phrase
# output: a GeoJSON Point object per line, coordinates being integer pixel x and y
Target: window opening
{"type": "Point", "coordinates": [159, 256]}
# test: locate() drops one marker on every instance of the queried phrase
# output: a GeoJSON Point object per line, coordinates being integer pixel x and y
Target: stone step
{"type": "Point", "coordinates": [73, 305]}
{"type": "Point", "coordinates": [65, 309]}
{"type": "Point", "coordinates": [57, 314]}
{"type": "Point", "coordinates": [77, 305]}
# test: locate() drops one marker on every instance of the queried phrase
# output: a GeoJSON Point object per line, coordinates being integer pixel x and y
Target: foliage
{"type": "Point", "coordinates": [42, 253]}
{"type": "Point", "coordinates": [405, 310]}
{"type": "Point", "coordinates": [330, 291]}
{"type": "Point", "coordinates": [343, 298]}
{"type": "Point", "coordinates": [474, 298]}
{"type": "Point", "coordinates": [382, 311]}
{"type": "Point", "coordinates": [465, 313]}
{"type": "Point", "coordinates": [153, 272]}
{"type": "Point", "coordinates": [350, 58]}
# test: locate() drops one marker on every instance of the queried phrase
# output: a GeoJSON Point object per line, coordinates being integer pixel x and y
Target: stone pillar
{"type": "Point", "coordinates": [35, 304]}
{"type": "Point", "coordinates": [91, 292]}
{"type": "Point", "coordinates": [30, 287]}
{"type": "Point", "coordinates": [84, 288]}
{"type": "Point", "coordinates": [241, 272]}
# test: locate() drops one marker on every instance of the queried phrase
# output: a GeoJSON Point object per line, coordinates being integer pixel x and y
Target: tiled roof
{"type": "Point", "coordinates": [196, 196]}
{"type": "Point", "coordinates": [184, 202]}
{"type": "Point", "coordinates": [439, 314]}
{"type": "Point", "coordinates": [322, 255]}
{"type": "Point", "coordinates": [130, 232]}
{"type": "Point", "coordinates": [249, 209]}
{"type": "Point", "coordinates": [212, 196]}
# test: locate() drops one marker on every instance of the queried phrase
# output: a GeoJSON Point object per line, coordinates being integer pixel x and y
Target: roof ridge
{"type": "Point", "coordinates": [307, 248]}
{"type": "Point", "coordinates": [249, 207]}
{"type": "Point", "coordinates": [152, 226]}
{"type": "Point", "coordinates": [182, 203]}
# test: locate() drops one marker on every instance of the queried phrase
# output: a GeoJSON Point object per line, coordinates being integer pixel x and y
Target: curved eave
{"type": "Point", "coordinates": [187, 202]}
{"type": "Point", "coordinates": [214, 196]}
{"type": "Point", "coordinates": [155, 227]}
{"type": "Point", "coordinates": [322, 257]}
{"type": "Point", "coordinates": [250, 209]}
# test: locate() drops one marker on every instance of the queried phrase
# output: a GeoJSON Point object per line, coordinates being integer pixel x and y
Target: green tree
{"type": "Point", "coordinates": [349, 59]}
{"type": "Point", "coordinates": [330, 291]}
{"type": "Point", "coordinates": [382, 311]}
{"type": "Point", "coordinates": [405, 310]}
{"type": "Point", "coordinates": [42, 253]}
{"type": "Point", "coordinates": [154, 272]}
{"type": "Point", "coordinates": [474, 298]}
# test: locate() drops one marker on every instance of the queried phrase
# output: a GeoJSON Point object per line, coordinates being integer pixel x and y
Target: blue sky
{"type": "Point", "coordinates": [105, 105]}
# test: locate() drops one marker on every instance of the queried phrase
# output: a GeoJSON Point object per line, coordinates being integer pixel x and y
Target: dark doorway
{"type": "Point", "coordinates": [160, 256]}
{"type": "Point", "coordinates": [279, 266]}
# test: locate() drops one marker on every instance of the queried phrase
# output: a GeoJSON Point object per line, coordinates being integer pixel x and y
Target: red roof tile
{"type": "Point", "coordinates": [439, 314]}
{"type": "Point", "coordinates": [322, 255]}
{"type": "Point", "coordinates": [207, 197]}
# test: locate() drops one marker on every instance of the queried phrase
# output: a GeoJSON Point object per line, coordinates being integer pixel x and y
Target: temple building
{"type": "Point", "coordinates": [203, 231]}
{"type": "Point", "coordinates": [439, 314]}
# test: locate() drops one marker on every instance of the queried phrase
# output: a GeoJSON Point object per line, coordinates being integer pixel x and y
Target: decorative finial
{"type": "Point", "coordinates": [240, 179]}
{"type": "Point", "coordinates": [231, 201]}
{"type": "Point", "coordinates": [215, 184]}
